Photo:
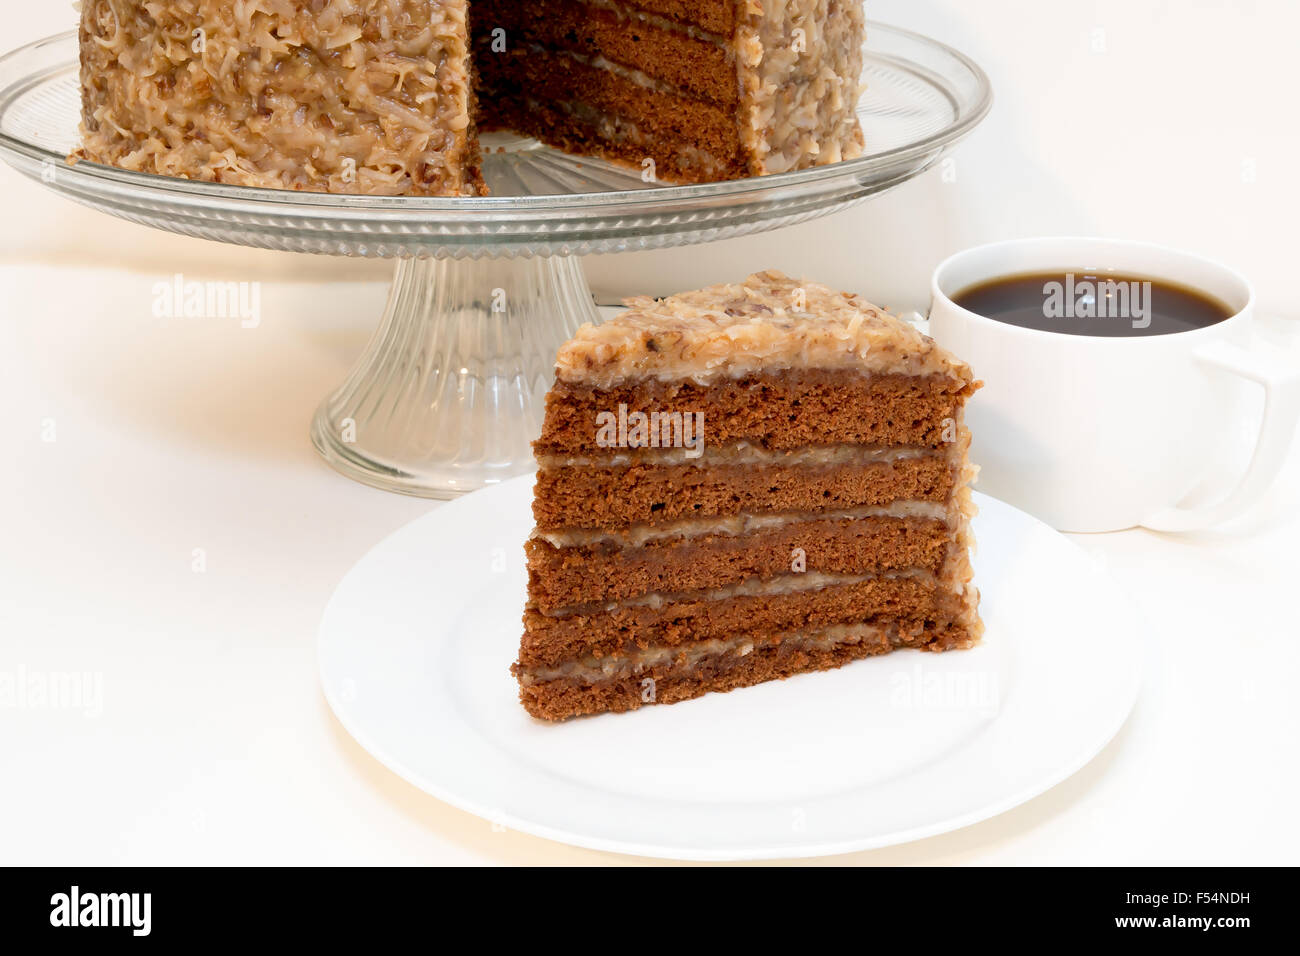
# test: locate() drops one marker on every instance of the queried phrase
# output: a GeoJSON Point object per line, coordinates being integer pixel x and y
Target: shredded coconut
{"type": "Point", "coordinates": [800, 69]}
{"type": "Point", "coordinates": [767, 323]}
{"type": "Point", "coordinates": [325, 95]}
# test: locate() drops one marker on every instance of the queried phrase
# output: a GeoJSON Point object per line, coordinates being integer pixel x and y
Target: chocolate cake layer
{"type": "Point", "coordinates": [778, 410]}
{"type": "Point", "coordinates": [602, 631]}
{"type": "Point", "coordinates": [560, 577]}
{"type": "Point", "coordinates": [571, 104]}
{"type": "Point", "coordinates": [690, 63]}
{"type": "Point", "coordinates": [740, 665]}
{"type": "Point", "coordinates": [715, 16]}
{"type": "Point", "coordinates": [613, 497]}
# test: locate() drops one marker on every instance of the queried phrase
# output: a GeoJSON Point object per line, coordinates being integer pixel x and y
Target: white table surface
{"type": "Point", "coordinates": [213, 743]}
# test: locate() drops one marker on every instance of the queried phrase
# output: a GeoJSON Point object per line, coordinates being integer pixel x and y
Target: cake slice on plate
{"type": "Point", "coordinates": [739, 484]}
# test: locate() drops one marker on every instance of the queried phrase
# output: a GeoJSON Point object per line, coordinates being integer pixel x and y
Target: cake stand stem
{"type": "Point", "coordinates": [450, 391]}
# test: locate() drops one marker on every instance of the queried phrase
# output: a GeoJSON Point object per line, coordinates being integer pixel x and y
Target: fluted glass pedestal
{"type": "Point", "coordinates": [449, 393]}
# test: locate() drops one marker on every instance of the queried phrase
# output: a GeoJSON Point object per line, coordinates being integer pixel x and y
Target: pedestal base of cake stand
{"type": "Point", "coordinates": [450, 391]}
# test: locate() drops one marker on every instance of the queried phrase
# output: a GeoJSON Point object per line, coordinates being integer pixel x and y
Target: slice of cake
{"type": "Point", "coordinates": [739, 484]}
{"type": "Point", "coordinates": [387, 96]}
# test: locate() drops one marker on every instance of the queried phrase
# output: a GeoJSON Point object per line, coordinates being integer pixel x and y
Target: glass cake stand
{"type": "Point", "coordinates": [449, 392]}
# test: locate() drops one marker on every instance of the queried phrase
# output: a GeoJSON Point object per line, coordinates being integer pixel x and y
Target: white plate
{"type": "Point", "coordinates": [416, 645]}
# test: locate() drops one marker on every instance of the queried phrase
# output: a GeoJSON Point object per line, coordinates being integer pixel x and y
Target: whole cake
{"type": "Point", "coordinates": [388, 96]}
{"type": "Point", "coordinates": [740, 484]}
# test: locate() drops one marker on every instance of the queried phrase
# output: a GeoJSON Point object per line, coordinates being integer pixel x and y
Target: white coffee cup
{"type": "Point", "coordinates": [1096, 433]}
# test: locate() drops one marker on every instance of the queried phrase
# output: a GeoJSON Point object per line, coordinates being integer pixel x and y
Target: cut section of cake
{"type": "Point", "coordinates": [387, 96]}
{"type": "Point", "coordinates": [707, 90]}
{"type": "Point", "coordinates": [740, 484]}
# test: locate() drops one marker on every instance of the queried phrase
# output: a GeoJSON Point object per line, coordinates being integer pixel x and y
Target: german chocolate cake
{"type": "Point", "coordinates": [388, 96]}
{"type": "Point", "coordinates": [739, 484]}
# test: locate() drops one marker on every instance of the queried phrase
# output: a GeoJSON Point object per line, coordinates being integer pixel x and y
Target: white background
{"type": "Point", "coordinates": [1169, 121]}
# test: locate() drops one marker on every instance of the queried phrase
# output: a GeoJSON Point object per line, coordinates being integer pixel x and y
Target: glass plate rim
{"type": "Point", "coordinates": [183, 190]}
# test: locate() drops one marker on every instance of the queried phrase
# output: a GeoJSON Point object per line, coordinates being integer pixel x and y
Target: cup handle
{"type": "Point", "coordinates": [1279, 374]}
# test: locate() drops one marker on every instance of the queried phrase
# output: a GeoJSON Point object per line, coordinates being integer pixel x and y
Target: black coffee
{"type": "Point", "coordinates": [1088, 303]}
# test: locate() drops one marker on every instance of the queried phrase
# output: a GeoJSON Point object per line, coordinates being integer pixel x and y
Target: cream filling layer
{"type": "Point", "coordinates": [600, 62]}
{"type": "Point", "coordinates": [742, 453]}
{"type": "Point", "coordinates": [640, 534]}
{"type": "Point", "coordinates": [782, 584]}
{"type": "Point", "coordinates": [591, 669]}
{"type": "Point", "coordinates": [615, 128]}
{"type": "Point", "coordinates": [618, 129]}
